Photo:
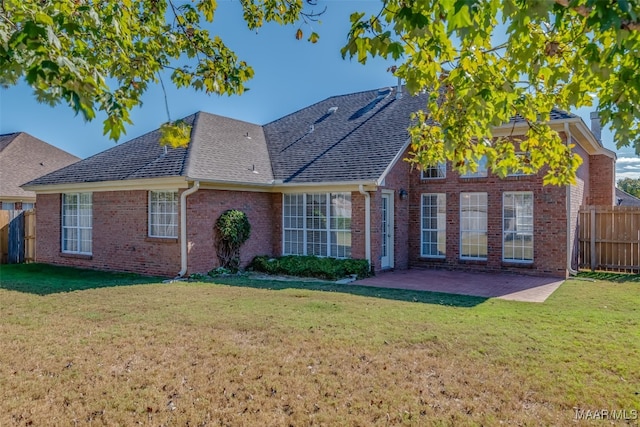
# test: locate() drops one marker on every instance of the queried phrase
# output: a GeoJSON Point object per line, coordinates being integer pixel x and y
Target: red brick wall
{"type": "Point", "coordinates": [358, 225]}
{"type": "Point", "coordinates": [120, 241]}
{"type": "Point", "coordinates": [550, 224]}
{"type": "Point", "coordinates": [206, 206]}
{"type": "Point", "coordinates": [602, 180]}
{"type": "Point", "coordinates": [120, 229]}
{"type": "Point", "coordinates": [397, 179]}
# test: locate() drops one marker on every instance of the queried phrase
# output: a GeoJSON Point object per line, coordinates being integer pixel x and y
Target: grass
{"type": "Point", "coordinates": [248, 353]}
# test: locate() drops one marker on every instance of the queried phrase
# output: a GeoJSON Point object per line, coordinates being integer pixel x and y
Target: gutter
{"type": "Point", "coordinates": [367, 223]}
{"type": "Point", "coordinates": [571, 271]}
{"type": "Point", "coordinates": [183, 227]}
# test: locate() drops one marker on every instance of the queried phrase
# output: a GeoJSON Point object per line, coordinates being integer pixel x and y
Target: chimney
{"type": "Point", "coordinates": [595, 125]}
{"type": "Point", "coordinates": [399, 89]}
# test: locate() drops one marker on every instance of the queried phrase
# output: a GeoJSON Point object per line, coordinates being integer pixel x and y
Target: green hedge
{"type": "Point", "coordinates": [311, 266]}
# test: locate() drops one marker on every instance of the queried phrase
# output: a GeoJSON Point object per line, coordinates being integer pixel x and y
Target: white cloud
{"type": "Point", "coordinates": [628, 160]}
{"type": "Point", "coordinates": [622, 175]}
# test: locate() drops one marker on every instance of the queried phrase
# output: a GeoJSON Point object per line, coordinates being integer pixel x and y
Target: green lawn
{"type": "Point", "coordinates": [88, 348]}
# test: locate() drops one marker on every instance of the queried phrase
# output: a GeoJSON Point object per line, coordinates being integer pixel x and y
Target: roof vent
{"type": "Point", "coordinates": [332, 110]}
{"type": "Point", "coordinates": [247, 135]}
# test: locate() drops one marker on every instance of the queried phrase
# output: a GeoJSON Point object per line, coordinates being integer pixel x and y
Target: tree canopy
{"type": "Point", "coordinates": [482, 61]}
{"type": "Point", "coordinates": [485, 61]}
{"type": "Point", "coordinates": [102, 55]}
{"type": "Point", "coordinates": [630, 186]}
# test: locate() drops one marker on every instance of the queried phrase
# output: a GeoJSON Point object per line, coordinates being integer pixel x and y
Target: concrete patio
{"type": "Point", "coordinates": [489, 285]}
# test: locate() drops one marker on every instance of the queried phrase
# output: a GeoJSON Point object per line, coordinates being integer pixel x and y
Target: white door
{"type": "Point", "coordinates": [386, 230]}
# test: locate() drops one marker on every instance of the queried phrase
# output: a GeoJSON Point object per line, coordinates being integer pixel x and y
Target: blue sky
{"type": "Point", "coordinates": [289, 75]}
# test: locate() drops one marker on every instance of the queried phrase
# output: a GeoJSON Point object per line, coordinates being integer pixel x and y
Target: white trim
{"type": "Point", "coordinates": [327, 231]}
{"type": "Point", "coordinates": [367, 223]}
{"type": "Point", "coordinates": [588, 141]}
{"type": "Point", "coordinates": [519, 261]}
{"type": "Point", "coordinates": [422, 229]}
{"type": "Point", "coordinates": [390, 228]}
{"type": "Point", "coordinates": [437, 167]}
{"type": "Point", "coordinates": [77, 227]}
{"type": "Point", "coordinates": [486, 230]}
{"type": "Point", "coordinates": [395, 160]}
{"type": "Point", "coordinates": [125, 185]}
{"type": "Point", "coordinates": [149, 204]}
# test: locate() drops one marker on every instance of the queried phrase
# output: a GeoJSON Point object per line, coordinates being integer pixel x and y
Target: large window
{"type": "Point", "coordinates": [517, 226]}
{"type": "Point", "coordinates": [77, 223]}
{"type": "Point", "coordinates": [473, 226]}
{"type": "Point", "coordinates": [317, 224]}
{"type": "Point", "coordinates": [435, 172]}
{"type": "Point", "coordinates": [434, 220]}
{"type": "Point", "coordinates": [163, 214]}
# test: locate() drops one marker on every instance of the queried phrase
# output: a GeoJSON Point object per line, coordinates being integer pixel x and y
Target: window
{"type": "Point", "coordinates": [77, 214]}
{"type": "Point", "coordinates": [481, 171]}
{"type": "Point", "coordinates": [317, 224]}
{"type": "Point", "coordinates": [28, 206]}
{"type": "Point", "coordinates": [435, 172]}
{"type": "Point", "coordinates": [473, 226]}
{"type": "Point", "coordinates": [434, 221]}
{"type": "Point", "coordinates": [517, 226]}
{"type": "Point", "coordinates": [8, 206]}
{"type": "Point", "coordinates": [163, 214]}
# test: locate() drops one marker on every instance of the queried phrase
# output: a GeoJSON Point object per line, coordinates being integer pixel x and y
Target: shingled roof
{"type": "Point", "coordinates": [346, 138]}
{"type": "Point", "coordinates": [221, 149]}
{"type": "Point", "coordinates": [23, 158]}
{"type": "Point", "coordinates": [343, 138]}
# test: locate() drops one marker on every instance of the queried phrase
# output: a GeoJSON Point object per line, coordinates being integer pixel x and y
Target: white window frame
{"type": "Point", "coordinates": [474, 206]}
{"type": "Point", "coordinates": [481, 172]}
{"type": "Point", "coordinates": [521, 230]}
{"type": "Point", "coordinates": [441, 227]}
{"type": "Point", "coordinates": [170, 227]}
{"type": "Point", "coordinates": [439, 170]}
{"type": "Point", "coordinates": [300, 219]}
{"type": "Point", "coordinates": [77, 223]}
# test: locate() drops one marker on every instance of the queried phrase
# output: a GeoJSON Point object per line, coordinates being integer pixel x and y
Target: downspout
{"type": "Point", "coordinates": [183, 227]}
{"type": "Point", "coordinates": [571, 271]}
{"type": "Point", "coordinates": [367, 224]}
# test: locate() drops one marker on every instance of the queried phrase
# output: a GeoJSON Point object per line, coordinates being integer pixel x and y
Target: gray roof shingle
{"type": "Point", "coordinates": [355, 142]}
{"type": "Point", "coordinates": [351, 137]}
{"type": "Point", "coordinates": [230, 150]}
{"type": "Point", "coordinates": [23, 158]}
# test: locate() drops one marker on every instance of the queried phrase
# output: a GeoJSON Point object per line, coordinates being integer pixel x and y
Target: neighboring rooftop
{"type": "Point", "coordinates": [24, 158]}
{"type": "Point", "coordinates": [626, 199]}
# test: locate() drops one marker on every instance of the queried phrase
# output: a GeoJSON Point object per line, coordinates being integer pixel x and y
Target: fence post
{"type": "Point", "coordinates": [592, 216]}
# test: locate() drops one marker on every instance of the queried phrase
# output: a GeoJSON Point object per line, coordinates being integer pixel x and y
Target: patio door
{"type": "Point", "coordinates": [386, 230]}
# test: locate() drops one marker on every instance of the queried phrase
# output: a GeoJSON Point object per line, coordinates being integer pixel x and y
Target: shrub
{"type": "Point", "coordinates": [311, 266]}
{"type": "Point", "coordinates": [232, 230]}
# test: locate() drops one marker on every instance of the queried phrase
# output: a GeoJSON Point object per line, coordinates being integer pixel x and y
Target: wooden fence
{"type": "Point", "coordinates": [17, 236]}
{"type": "Point", "coordinates": [609, 238]}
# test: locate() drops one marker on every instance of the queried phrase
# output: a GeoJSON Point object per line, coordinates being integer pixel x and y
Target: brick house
{"type": "Point", "coordinates": [23, 158]}
{"type": "Point", "coordinates": [327, 180]}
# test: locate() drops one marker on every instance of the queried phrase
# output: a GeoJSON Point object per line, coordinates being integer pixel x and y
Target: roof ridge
{"type": "Point", "coordinates": [186, 163]}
